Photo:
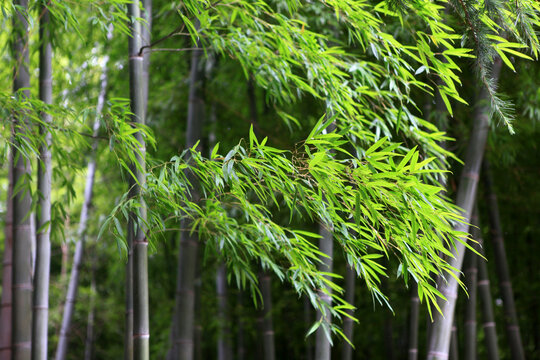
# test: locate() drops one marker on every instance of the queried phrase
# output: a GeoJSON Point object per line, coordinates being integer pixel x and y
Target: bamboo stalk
{"type": "Point", "coordinates": [71, 296]}
{"type": "Point", "coordinates": [488, 319]}
{"type": "Point", "coordinates": [413, 322]}
{"type": "Point", "coordinates": [471, 281]}
{"type": "Point", "coordinates": [503, 273]}
{"type": "Point", "coordinates": [348, 323]}
{"type": "Point", "coordinates": [323, 347]}
{"type": "Point", "coordinates": [22, 201]}
{"type": "Point", "coordinates": [267, 325]}
{"type": "Point", "coordinates": [6, 301]}
{"type": "Point", "coordinates": [308, 323]}
{"type": "Point", "coordinates": [223, 344]}
{"type": "Point", "coordinates": [43, 253]}
{"type": "Point", "coordinates": [137, 241]}
{"type": "Point", "coordinates": [89, 341]}
{"type": "Point", "coordinates": [438, 348]}
{"type": "Point", "coordinates": [183, 319]}
{"type": "Point", "coordinates": [454, 353]}
{"type": "Point", "coordinates": [146, 36]}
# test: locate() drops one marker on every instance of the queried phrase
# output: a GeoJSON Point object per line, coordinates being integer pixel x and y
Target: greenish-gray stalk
{"type": "Point", "coordinates": [438, 347]}
{"type": "Point", "coordinates": [182, 346]}
{"type": "Point", "coordinates": [21, 320]}
{"type": "Point", "coordinates": [503, 273]}
{"type": "Point", "coordinates": [71, 296]}
{"type": "Point", "coordinates": [43, 245]}
{"type": "Point", "coordinates": [137, 240]}
{"type": "Point", "coordinates": [5, 304]}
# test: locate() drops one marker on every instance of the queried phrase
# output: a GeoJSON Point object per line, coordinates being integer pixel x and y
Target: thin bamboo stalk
{"type": "Point", "coordinates": [269, 348]}
{"type": "Point", "coordinates": [241, 349]}
{"type": "Point", "coordinates": [89, 341]}
{"type": "Point", "coordinates": [503, 273]}
{"type": "Point", "coordinates": [43, 253]}
{"type": "Point", "coordinates": [198, 326]}
{"type": "Point", "coordinates": [348, 323]}
{"type": "Point", "coordinates": [137, 240]}
{"type": "Point", "coordinates": [5, 310]}
{"type": "Point", "coordinates": [308, 323]}
{"type": "Point", "coordinates": [323, 347]}
{"type": "Point", "coordinates": [223, 344]}
{"type": "Point", "coordinates": [439, 345]}
{"type": "Point", "coordinates": [22, 201]}
{"type": "Point", "coordinates": [470, 280]}
{"type": "Point", "coordinates": [488, 319]}
{"type": "Point", "coordinates": [146, 36]}
{"type": "Point", "coordinates": [183, 317]}
{"type": "Point", "coordinates": [413, 322]}
{"type": "Point", "coordinates": [454, 353]}
{"type": "Point", "coordinates": [71, 296]}
{"type": "Point", "coordinates": [490, 333]}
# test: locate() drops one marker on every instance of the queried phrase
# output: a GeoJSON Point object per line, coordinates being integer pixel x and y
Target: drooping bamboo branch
{"type": "Point", "coordinates": [183, 319]}
{"type": "Point", "coordinates": [22, 201]}
{"type": "Point", "coordinates": [43, 247]}
{"type": "Point", "coordinates": [503, 273]}
{"type": "Point", "coordinates": [438, 347]}
{"type": "Point", "coordinates": [5, 304]}
{"type": "Point", "coordinates": [71, 296]}
{"type": "Point", "coordinates": [137, 240]}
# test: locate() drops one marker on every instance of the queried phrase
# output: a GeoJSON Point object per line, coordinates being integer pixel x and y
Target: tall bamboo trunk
{"type": "Point", "coordinates": [240, 337]}
{"type": "Point", "coordinates": [197, 323]}
{"type": "Point", "coordinates": [488, 319]}
{"type": "Point", "coordinates": [137, 240]}
{"type": "Point", "coordinates": [308, 323]}
{"type": "Point", "coordinates": [453, 351]}
{"type": "Point", "coordinates": [439, 344]}
{"type": "Point", "coordinates": [348, 323]}
{"type": "Point", "coordinates": [413, 322]}
{"type": "Point", "coordinates": [43, 253]}
{"type": "Point", "coordinates": [71, 296]}
{"type": "Point", "coordinates": [223, 344]}
{"type": "Point", "coordinates": [89, 341]}
{"type": "Point", "coordinates": [265, 281]}
{"type": "Point", "coordinates": [146, 35]}
{"type": "Point", "coordinates": [470, 274]}
{"type": "Point", "coordinates": [326, 246]}
{"type": "Point", "coordinates": [183, 317]}
{"type": "Point", "coordinates": [266, 323]}
{"type": "Point", "coordinates": [22, 201]}
{"type": "Point", "coordinates": [503, 273]}
{"type": "Point", "coordinates": [5, 309]}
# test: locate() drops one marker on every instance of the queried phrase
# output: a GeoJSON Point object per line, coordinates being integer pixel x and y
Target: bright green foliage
{"type": "Point", "coordinates": [364, 62]}
{"type": "Point", "coordinates": [376, 205]}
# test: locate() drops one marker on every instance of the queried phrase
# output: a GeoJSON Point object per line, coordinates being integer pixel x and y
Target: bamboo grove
{"type": "Point", "coordinates": [258, 174]}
